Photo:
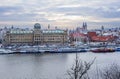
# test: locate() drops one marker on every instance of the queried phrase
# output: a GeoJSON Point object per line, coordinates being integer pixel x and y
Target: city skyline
{"type": "Point", "coordinates": [67, 14]}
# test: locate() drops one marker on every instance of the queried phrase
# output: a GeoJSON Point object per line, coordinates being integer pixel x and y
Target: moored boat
{"type": "Point", "coordinates": [5, 51]}
{"type": "Point", "coordinates": [67, 50]}
{"type": "Point", "coordinates": [117, 49]}
{"type": "Point", "coordinates": [27, 50]}
{"type": "Point", "coordinates": [102, 50]}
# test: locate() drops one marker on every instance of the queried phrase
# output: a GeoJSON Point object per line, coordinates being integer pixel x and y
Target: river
{"type": "Point", "coordinates": [49, 66]}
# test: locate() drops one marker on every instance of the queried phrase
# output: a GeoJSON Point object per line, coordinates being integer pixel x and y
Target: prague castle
{"type": "Point", "coordinates": [36, 36]}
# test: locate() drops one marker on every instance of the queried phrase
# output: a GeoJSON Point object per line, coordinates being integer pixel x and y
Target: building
{"type": "Point", "coordinates": [2, 33]}
{"type": "Point", "coordinates": [18, 37]}
{"type": "Point", "coordinates": [55, 36]}
{"type": "Point", "coordinates": [78, 37]}
{"type": "Point", "coordinates": [36, 36]}
{"type": "Point", "coordinates": [49, 36]}
{"type": "Point", "coordinates": [80, 34]}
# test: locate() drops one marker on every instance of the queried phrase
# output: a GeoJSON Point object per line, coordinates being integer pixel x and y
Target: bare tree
{"type": "Point", "coordinates": [80, 69]}
{"type": "Point", "coordinates": [113, 72]}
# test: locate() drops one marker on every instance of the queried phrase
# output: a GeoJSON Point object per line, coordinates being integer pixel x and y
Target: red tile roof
{"type": "Point", "coordinates": [102, 38]}
{"type": "Point", "coordinates": [77, 35]}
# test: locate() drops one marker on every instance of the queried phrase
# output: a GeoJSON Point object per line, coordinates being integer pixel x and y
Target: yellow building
{"type": "Point", "coordinates": [55, 36]}
{"type": "Point", "coordinates": [19, 37]}
{"type": "Point", "coordinates": [49, 36]}
{"type": "Point", "coordinates": [37, 34]}
{"type": "Point", "coordinates": [36, 37]}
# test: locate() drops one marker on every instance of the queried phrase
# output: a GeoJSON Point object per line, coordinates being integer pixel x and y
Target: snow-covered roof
{"type": "Point", "coordinates": [53, 31]}
{"type": "Point", "coordinates": [21, 31]}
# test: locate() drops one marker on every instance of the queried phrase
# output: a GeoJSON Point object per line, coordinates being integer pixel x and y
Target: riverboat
{"type": "Point", "coordinates": [117, 49]}
{"type": "Point", "coordinates": [67, 50]}
{"type": "Point", "coordinates": [102, 50]}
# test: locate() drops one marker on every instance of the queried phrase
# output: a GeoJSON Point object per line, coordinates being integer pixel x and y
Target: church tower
{"type": "Point", "coordinates": [84, 25]}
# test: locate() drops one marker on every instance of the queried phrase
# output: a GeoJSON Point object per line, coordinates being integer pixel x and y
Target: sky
{"type": "Point", "coordinates": [61, 13]}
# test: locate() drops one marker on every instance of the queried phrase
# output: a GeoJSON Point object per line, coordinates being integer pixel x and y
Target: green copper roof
{"type": "Point", "coordinates": [30, 31]}
{"type": "Point", "coordinates": [37, 26]}
{"type": "Point", "coordinates": [53, 31]}
{"type": "Point", "coordinates": [21, 31]}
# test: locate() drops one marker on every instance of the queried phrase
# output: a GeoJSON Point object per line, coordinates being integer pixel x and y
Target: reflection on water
{"type": "Point", "coordinates": [47, 66]}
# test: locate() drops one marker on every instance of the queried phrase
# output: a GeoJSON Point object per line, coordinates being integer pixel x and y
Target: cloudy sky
{"type": "Point", "coordinates": [61, 13]}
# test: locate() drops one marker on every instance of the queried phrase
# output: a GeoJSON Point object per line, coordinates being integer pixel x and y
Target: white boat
{"type": "Point", "coordinates": [67, 50]}
{"type": "Point", "coordinates": [46, 49]}
{"type": "Point", "coordinates": [5, 51]}
{"type": "Point", "coordinates": [117, 49]}
{"type": "Point", "coordinates": [28, 50]}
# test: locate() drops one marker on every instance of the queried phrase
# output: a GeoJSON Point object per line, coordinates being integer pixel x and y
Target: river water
{"type": "Point", "coordinates": [49, 66]}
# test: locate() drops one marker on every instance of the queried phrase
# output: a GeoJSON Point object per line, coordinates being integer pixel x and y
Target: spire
{"type": "Point", "coordinates": [85, 26]}
{"type": "Point", "coordinates": [102, 27]}
{"type": "Point", "coordinates": [12, 27]}
{"type": "Point", "coordinates": [48, 26]}
{"type": "Point", "coordinates": [55, 27]}
{"type": "Point", "coordinates": [102, 30]}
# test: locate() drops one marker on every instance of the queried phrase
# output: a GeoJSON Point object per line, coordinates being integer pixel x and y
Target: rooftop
{"type": "Point", "coordinates": [53, 31]}
{"type": "Point", "coordinates": [21, 31]}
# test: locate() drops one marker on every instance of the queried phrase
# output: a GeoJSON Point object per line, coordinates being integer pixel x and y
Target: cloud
{"type": "Point", "coordinates": [65, 12]}
{"type": "Point", "coordinates": [9, 8]}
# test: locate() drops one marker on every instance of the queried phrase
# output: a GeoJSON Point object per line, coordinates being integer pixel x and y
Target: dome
{"type": "Point", "coordinates": [37, 26]}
